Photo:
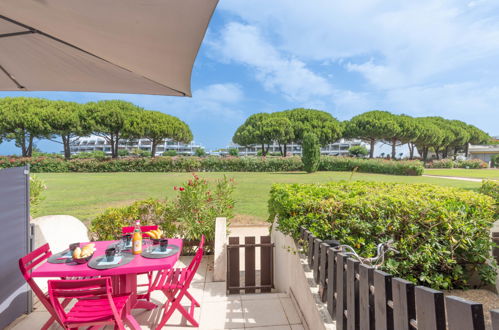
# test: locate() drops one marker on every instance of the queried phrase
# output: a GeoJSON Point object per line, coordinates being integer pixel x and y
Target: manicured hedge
{"type": "Point", "coordinates": [213, 164]}
{"type": "Point", "coordinates": [449, 163]}
{"type": "Point", "coordinates": [442, 234]}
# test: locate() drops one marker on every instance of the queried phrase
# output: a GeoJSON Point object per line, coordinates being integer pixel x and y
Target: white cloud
{"type": "Point", "coordinates": [246, 45]}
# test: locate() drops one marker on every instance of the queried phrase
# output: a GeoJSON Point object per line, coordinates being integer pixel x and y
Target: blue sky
{"type": "Point", "coordinates": [345, 57]}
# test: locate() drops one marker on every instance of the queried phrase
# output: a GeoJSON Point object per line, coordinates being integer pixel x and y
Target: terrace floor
{"type": "Point", "coordinates": [218, 311]}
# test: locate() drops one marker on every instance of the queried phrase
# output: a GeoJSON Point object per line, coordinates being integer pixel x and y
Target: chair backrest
{"type": "Point", "coordinates": [196, 261]}
{"type": "Point", "coordinates": [26, 265]}
{"type": "Point", "coordinates": [83, 288]}
{"type": "Point", "coordinates": [129, 230]}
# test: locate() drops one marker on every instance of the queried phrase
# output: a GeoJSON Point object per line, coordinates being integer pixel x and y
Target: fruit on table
{"type": "Point", "coordinates": [84, 252]}
{"type": "Point", "coordinates": [155, 234]}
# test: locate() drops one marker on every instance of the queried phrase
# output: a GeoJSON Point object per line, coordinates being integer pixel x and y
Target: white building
{"type": "Point", "coordinates": [339, 148]}
{"type": "Point", "coordinates": [97, 143]}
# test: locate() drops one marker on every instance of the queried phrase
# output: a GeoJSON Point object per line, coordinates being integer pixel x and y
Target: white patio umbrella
{"type": "Point", "coordinates": [115, 46]}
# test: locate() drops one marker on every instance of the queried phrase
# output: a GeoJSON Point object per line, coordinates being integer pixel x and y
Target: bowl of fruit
{"type": "Point", "coordinates": [154, 235]}
{"type": "Point", "coordinates": [84, 254]}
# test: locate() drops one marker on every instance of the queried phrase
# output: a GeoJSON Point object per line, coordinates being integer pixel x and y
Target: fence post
{"type": "Point", "coordinates": [233, 266]}
{"type": "Point", "coordinates": [317, 259]}
{"type": "Point", "coordinates": [331, 282]}
{"type": "Point", "coordinates": [310, 252]}
{"type": "Point", "coordinates": [366, 298]}
{"type": "Point", "coordinates": [249, 264]}
{"type": "Point", "coordinates": [494, 315]}
{"type": "Point", "coordinates": [463, 314]}
{"type": "Point", "coordinates": [266, 263]}
{"type": "Point", "coordinates": [383, 314]}
{"type": "Point", "coordinates": [323, 271]}
{"type": "Point", "coordinates": [430, 309]}
{"type": "Point", "coordinates": [352, 294]}
{"type": "Point", "coordinates": [220, 258]}
{"type": "Point", "coordinates": [341, 297]}
{"type": "Point", "coordinates": [404, 309]}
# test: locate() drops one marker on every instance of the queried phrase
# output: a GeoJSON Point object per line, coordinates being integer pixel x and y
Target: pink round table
{"type": "Point", "coordinates": [124, 278]}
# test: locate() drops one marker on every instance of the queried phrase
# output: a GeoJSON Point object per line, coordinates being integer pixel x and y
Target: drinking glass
{"type": "Point", "coordinates": [120, 246]}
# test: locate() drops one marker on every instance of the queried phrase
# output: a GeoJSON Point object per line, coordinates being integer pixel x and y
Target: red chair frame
{"type": "Point", "coordinates": [174, 283]}
{"type": "Point", "coordinates": [26, 265]}
{"type": "Point", "coordinates": [96, 305]}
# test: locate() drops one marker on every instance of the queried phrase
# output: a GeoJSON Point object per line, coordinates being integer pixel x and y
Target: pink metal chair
{"type": "Point", "coordinates": [174, 283]}
{"type": "Point", "coordinates": [96, 305]}
{"type": "Point", "coordinates": [26, 264]}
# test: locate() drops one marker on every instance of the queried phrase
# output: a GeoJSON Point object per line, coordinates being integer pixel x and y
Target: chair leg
{"type": "Point", "coordinates": [48, 323]}
{"type": "Point", "coordinates": [194, 301]}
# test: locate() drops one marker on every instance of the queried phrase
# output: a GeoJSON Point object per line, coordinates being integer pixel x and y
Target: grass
{"type": "Point", "coordinates": [490, 173]}
{"type": "Point", "coordinates": [85, 195]}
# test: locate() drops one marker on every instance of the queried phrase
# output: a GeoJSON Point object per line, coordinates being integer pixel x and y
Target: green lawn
{"type": "Point", "coordinates": [85, 195]}
{"type": "Point", "coordinates": [490, 173]}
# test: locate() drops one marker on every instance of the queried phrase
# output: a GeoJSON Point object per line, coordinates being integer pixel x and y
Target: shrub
{"type": "Point", "coordinates": [381, 166]}
{"type": "Point", "coordinates": [199, 152]}
{"type": "Point", "coordinates": [170, 153]}
{"type": "Point", "coordinates": [123, 152]}
{"type": "Point", "coordinates": [233, 152]}
{"type": "Point", "coordinates": [449, 163]}
{"type": "Point", "coordinates": [491, 188]}
{"type": "Point", "coordinates": [212, 164]}
{"type": "Point", "coordinates": [441, 163]}
{"type": "Point", "coordinates": [198, 204]}
{"type": "Point", "coordinates": [471, 163]}
{"type": "Point", "coordinates": [36, 188]}
{"type": "Point", "coordinates": [442, 234]}
{"type": "Point", "coordinates": [495, 161]}
{"type": "Point", "coordinates": [97, 154]}
{"type": "Point", "coordinates": [191, 214]}
{"type": "Point", "coordinates": [358, 151]}
{"type": "Point", "coordinates": [311, 152]}
{"type": "Point", "coordinates": [107, 226]}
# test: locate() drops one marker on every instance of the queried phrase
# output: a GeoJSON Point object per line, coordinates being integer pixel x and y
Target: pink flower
{"type": "Point", "coordinates": [181, 188]}
{"type": "Point", "coordinates": [175, 188]}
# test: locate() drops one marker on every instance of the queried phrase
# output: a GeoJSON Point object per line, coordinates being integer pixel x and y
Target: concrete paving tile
{"type": "Point", "coordinates": [216, 291]}
{"type": "Point", "coordinates": [297, 327]}
{"type": "Point", "coordinates": [222, 315]}
{"type": "Point", "coordinates": [290, 310]}
{"type": "Point", "coordinates": [259, 296]}
{"type": "Point", "coordinates": [263, 313]}
{"type": "Point", "coordinates": [34, 320]}
{"type": "Point", "coordinates": [273, 327]}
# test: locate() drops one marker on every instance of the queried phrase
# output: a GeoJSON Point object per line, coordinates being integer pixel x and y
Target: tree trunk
{"type": "Point", "coordinates": [67, 150]}
{"type": "Point", "coordinates": [411, 150]}
{"type": "Point", "coordinates": [268, 147]}
{"type": "Point", "coordinates": [23, 144]}
{"type": "Point", "coordinates": [154, 144]}
{"type": "Point", "coordinates": [263, 150]}
{"type": "Point", "coordinates": [371, 151]}
{"type": "Point", "coordinates": [437, 151]}
{"type": "Point", "coordinates": [466, 147]}
{"type": "Point", "coordinates": [394, 145]}
{"type": "Point", "coordinates": [445, 152]}
{"type": "Point", "coordinates": [116, 144]}
{"type": "Point", "coordinates": [30, 146]}
{"type": "Point", "coordinates": [285, 150]}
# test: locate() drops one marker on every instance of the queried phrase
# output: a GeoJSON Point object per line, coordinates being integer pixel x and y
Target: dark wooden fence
{"type": "Point", "coordinates": [266, 272]}
{"type": "Point", "coordinates": [360, 297]}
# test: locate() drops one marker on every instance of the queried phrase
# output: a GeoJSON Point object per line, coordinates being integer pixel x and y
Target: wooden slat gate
{"type": "Point", "coordinates": [360, 297]}
{"type": "Point", "coordinates": [266, 271]}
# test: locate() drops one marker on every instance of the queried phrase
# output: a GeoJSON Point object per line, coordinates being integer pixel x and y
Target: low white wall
{"type": "Point", "coordinates": [293, 276]}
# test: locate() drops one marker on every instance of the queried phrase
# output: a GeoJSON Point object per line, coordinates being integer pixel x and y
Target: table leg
{"type": "Point", "coordinates": [127, 284]}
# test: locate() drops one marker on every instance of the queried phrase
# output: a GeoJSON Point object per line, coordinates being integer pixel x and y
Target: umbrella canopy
{"type": "Point", "coordinates": [114, 46]}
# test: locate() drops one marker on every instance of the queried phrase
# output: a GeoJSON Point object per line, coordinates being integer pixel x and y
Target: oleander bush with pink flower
{"type": "Point", "coordinates": [189, 215]}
